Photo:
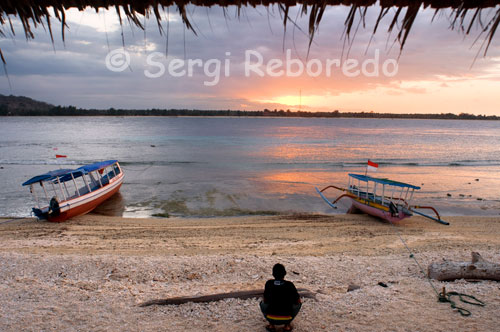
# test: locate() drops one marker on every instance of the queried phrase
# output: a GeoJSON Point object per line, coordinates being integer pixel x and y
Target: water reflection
{"type": "Point", "coordinates": [114, 206]}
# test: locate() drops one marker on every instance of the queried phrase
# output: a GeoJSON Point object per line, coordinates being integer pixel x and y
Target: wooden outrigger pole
{"type": "Point", "coordinates": [438, 219]}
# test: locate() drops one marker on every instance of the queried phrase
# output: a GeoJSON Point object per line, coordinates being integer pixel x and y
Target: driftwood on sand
{"type": "Point", "coordinates": [478, 268]}
{"type": "Point", "coordinates": [221, 296]}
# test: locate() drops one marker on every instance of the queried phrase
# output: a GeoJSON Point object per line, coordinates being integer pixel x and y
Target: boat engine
{"type": "Point", "coordinates": [54, 209]}
{"type": "Point", "coordinates": [393, 209]}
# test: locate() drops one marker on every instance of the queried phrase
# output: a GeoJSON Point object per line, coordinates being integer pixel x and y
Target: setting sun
{"type": "Point", "coordinates": [294, 101]}
{"type": "Point", "coordinates": [298, 102]}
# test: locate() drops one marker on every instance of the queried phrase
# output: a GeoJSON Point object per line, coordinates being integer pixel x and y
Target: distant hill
{"type": "Point", "coordinates": [20, 105]}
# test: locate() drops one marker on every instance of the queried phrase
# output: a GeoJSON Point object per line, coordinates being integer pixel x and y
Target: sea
{"type": "Point", "coordinates": [225, 166]}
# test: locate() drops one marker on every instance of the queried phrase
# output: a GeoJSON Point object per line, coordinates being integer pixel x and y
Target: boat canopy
{"type": "Point", "coordinates": [75, 172]}
{"type": "Point", "coordinates": [366, 178]}
{"type": "Point", "coordinates": [98, 165]}
{"type": "Point", "coordinates": [47, 176]}
{"type": "Point", "coordinates": [65, 174]}
{"type": "Point", "coordinates": [80, 171]}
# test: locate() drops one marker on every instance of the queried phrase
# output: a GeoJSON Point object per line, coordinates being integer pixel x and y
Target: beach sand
{"type": "Point", "coordinates": [92, 272]}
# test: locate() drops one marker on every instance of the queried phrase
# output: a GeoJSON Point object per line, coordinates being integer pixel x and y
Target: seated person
{"type": "Point", "coordinates": [281, 300]}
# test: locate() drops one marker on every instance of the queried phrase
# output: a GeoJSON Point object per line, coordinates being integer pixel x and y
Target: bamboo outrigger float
{"type": "Point", "coordinates": [66, 193]}
{"type": "Point", "coordinates": [383, 198]}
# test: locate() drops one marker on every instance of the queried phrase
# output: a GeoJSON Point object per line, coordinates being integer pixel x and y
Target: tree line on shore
{"type": "Point", "coordinates": [73, 111]}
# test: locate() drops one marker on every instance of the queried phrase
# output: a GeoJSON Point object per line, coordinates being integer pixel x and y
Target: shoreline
{"type": "Point", "coordinates": [312, 230]}
{"type": "Point", "coordinates": [90, 273]}
{"type": "Point", "coordinates": [444, 212]}
{"type": "Point", "coordinates": [274, 115]}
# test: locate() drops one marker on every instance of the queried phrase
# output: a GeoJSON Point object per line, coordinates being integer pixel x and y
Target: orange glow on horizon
{"type": "Point", "coordinates": [441, 95]}
{"type": "Point", "coordinates": [296, 102]}
{"type": "Point", "coordinates": [287, 100]}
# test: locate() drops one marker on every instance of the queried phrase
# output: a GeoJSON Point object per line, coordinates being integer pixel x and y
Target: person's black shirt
{"type": "Point", "coordinates": [281, 295]}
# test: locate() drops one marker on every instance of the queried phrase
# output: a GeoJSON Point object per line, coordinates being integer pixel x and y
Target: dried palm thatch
{"type": "Point", "coordinates": [465, 13]}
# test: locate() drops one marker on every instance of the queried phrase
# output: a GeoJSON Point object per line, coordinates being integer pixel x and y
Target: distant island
{"type": "Point", "coordinates": [24, 106]}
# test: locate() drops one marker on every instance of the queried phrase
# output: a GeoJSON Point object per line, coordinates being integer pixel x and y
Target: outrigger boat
{"type": "Point", "coordinates": [73, 192]}
{"type": "Point", "coordinates": [383, 198]}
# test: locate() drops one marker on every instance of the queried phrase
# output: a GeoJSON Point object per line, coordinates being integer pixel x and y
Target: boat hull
{"type": "Point", "coordinates": [379, 213]}
{"type": "Point", "coordinates": [88, 202]}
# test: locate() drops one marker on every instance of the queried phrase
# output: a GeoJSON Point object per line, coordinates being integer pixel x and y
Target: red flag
{"type": "Point", "coordinates": [60, 156]}
{"type": "Point", "coordinates": [371, 165]}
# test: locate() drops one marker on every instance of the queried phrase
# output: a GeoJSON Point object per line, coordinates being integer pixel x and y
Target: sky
{"type": "Point", "coordinates": [251, 62]}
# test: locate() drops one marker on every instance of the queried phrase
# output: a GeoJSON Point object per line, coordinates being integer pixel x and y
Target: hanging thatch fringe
{"type": "Point", "coordinates": [465, 13]}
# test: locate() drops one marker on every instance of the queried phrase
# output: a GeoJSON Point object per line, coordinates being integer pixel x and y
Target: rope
{"type": "Point", "coordinates": [443, 296]}
{"type": "Point", "coordinates": [416, 261]}
{"type": "Point", "coordinates": [446, 297]}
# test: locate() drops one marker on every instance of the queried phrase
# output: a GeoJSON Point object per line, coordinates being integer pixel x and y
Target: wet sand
{"type": "Point", "coordinates": [90, 273]}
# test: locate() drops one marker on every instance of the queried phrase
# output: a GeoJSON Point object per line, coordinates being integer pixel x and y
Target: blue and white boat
{"type": "Point", "coordinates": [66, 193]}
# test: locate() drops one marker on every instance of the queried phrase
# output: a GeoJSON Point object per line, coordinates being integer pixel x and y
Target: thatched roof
{"type": "Point", "coordinates": [466, 14]}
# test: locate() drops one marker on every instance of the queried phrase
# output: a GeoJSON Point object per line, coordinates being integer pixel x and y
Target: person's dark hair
{"type": "Point", "coordinates": [279, 271]}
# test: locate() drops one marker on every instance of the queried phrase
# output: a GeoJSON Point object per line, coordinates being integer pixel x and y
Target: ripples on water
{"type": "Point", "coordinates": [239, 166]}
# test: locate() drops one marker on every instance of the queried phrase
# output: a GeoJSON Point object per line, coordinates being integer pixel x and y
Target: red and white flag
{"type": "Point", "coordinates": [61, 156]}
{"type": "Point", "coordinates": [371, 166]}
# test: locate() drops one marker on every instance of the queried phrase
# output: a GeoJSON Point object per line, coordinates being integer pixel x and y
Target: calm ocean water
{"type": "Point", "coordinates": [238, 166]}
